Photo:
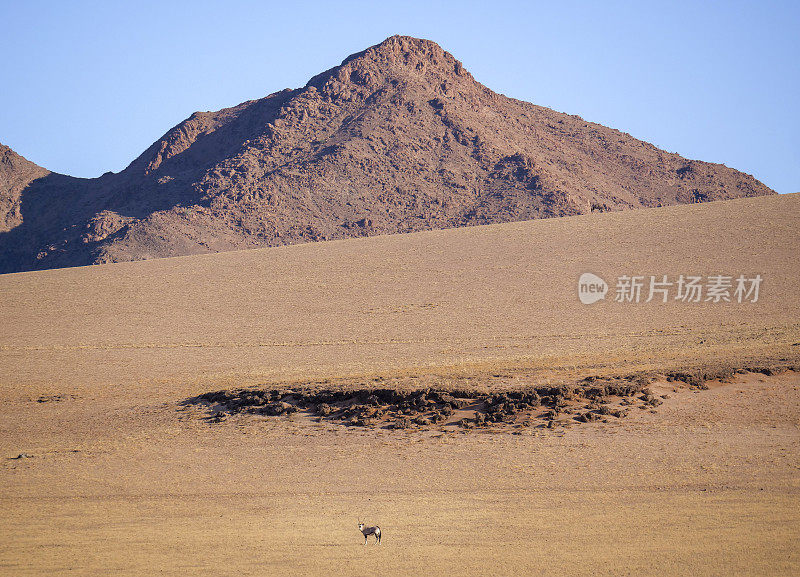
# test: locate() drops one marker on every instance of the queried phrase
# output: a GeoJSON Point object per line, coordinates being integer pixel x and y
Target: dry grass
{"type": "Point", "coordinates": [120, 478]}
{"type": "Point", "coordinates": [464, 300]}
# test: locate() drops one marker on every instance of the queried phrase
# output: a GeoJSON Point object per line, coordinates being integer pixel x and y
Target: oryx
{"type": "Point", "coordinates": [367, 531]}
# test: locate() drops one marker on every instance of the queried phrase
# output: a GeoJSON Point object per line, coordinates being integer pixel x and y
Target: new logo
{"type": "Point", "coordinates": [591, 288]}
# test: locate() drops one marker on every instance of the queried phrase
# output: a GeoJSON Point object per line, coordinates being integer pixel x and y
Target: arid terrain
{"type": "Point", "coordinates": [398, 138]}
{"type": "Point", "coordinates": [109, 465]}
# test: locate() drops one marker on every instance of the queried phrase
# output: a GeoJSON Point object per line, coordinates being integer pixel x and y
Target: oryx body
{"type": "Point", "coordinates": [367, 531]}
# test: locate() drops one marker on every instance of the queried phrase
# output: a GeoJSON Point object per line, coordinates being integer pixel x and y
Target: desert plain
{"type": "Point", "coordinates": [107, 470]}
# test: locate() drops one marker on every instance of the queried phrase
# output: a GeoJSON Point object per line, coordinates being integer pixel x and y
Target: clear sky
{"type": "Point", "coordinates": [85, 86]}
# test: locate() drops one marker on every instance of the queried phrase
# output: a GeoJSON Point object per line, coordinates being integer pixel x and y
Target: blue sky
{"type": "Point", "coordinates": [86, 86]}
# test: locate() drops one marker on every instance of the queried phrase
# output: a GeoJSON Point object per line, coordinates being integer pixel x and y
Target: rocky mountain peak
{"type": "Point", "coordinates": [397, 138]}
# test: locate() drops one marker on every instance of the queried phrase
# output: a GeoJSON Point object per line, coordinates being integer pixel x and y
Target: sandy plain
{"type": "Point", "coordinates": [122, 478]}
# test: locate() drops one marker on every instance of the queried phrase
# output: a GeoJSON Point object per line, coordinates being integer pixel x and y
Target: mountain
{"type": "Point", "coordinates": [16, 173]}
{"type": "Point", "coordinates": [398, 138]}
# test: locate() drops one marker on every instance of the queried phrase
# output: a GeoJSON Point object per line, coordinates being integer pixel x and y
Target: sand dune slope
{"type": "Point", "coordinates": [104, 471]}
{"type": "Point", "coordinates": [498, 295]}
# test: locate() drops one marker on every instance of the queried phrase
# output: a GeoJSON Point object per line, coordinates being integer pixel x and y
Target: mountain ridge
{"type": "Point", "coordinates": [399, 137]}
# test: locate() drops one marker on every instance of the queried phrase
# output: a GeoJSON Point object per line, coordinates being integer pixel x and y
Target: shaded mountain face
{"type": "Point", "coordinates": [398, 138]}
{"type": "Point", "coordinates": [16, 174]}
